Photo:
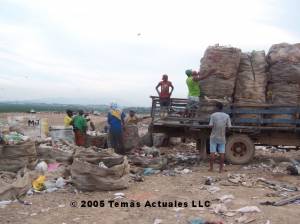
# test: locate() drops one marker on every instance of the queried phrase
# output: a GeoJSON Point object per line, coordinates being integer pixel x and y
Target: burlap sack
{"type": "Point", "coordinates": [130, 137]}
{"type": "Point", "coordinates": [107, 156]}
{"type": "Point", "coordinates": [90, 177]}
{"type": "Point", "coordinates": [16, 157]}
{"type": "Point", "coordinates": [19, 187]}
{"type": "Point", "coordinates": [49, 154]}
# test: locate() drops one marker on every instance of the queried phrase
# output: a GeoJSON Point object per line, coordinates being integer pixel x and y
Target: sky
{"type": "Point", "coordinates": [97, 51]}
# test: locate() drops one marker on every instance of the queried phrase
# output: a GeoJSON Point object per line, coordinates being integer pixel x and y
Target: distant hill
{"type": "Point", "coordinates": [26, 106]}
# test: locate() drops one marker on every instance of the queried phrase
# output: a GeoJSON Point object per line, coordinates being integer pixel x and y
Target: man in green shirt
{"type": "Point", "coordinates": [80, 127]}
{"type": "Point", "coordinates": [194, 93]}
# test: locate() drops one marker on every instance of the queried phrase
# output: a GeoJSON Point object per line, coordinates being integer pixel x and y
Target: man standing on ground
{"type": "Point", "coordinates": [68, 118]}
{"type": "Point", "coordinates": [80, 127]}
{"type": "Point", "coordinates": [194, 93]}
{"type": "Point", "coordinates": [115, 119]}
{"type": "Point", "coordinates": [218, 121]}
{"type": "Point", "coordinates": [132, 119]}
{"type": "Point", "coordinates": [164, 94]}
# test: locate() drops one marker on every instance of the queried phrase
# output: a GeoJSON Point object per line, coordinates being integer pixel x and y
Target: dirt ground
{"type": "Point", "coordinates": [58, 207]}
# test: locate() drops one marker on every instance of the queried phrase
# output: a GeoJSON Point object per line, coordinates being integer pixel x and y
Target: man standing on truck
{"type": "Point", "coordinates": [218, 121]}
{"type": "Point", "coordinates": [192, 82]}
{"type": "Point", "coordinates": [164, 94]}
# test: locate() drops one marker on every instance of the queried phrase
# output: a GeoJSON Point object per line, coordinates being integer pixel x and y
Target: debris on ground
{"type": "Point", "coordinates": [285, 201]}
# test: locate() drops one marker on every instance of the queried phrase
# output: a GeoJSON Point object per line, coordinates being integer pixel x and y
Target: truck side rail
{"type": "Point", "coordinates": [262, 115]}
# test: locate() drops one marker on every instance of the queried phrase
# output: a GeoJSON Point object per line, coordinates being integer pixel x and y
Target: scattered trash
{"type": "Point", "coordinates": [219, 208]}
{"type": "Point", "coordinates": [137, 177]}
{"type": "Point", "coordinates": [157, 221]}
{"type": "Point", "coordinates": [184, 171]}
{"type": "Point", "coordinates": [38, 184]}
{"type": "Point", "coordinates": [102, 165]}
{"type": "Point", "coordinates": [14, 138]}
{"type": "Point", "coordinates": [248, 209]}
{"type": "Point", "coordinates": [213, 189]}
{"type": "Point", "coordinates": [53, 166]}
{"type": "Point", "coordinates": [119, 195]}
{"type": "Point", "coordinates": [208, 181]}
{"type": "Point", "coordinates": [41, 167]}
{"type": "Point", "coordinates": [3, 204]}
{"type": "Point", "coordinates": [226, 198]}
{"type": "Point", "coordinates": [150, 171]}
{"type": "Point", "coordinates": [60, 182]}
{"type": "Point", "coordinates": [284, 201]}
{"type": "Point", "coordinates": [169, 173]}
{"type": "Point", "coordinates": [277, 185]}
{"type": "Point", "coordinates": [244, 219]}
{"type": "Point", "coordinates": [197, 221]}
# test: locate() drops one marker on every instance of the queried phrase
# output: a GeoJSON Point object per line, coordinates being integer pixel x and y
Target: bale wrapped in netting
{"type": "Point", "coordinates": [16, 157]}
{"type": "Point", "coordinates": [225, 60]}
{"type": "Point", "coordinates": [99, 169]}
{"type": "Point", "coordinates": [285, 93]}
{"type": "Point", "coordinates": [285, 72]}
{"type": "Point", "coordinates": [252, 79]}
{"type": "Point", "coordinates": [284, 52]}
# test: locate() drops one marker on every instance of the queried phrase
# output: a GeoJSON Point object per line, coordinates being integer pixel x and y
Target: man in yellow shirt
{"type": "Point", "coordinates": [132, 119]}
{"type": "Point", "coordinates": [68, 119]}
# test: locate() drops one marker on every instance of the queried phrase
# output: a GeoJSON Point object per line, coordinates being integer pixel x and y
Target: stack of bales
{"type": "Point", "coordinates": [284, 61]}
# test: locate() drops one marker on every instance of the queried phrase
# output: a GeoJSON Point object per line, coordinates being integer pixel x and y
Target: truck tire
{"type": "Point", "coordinates": [239, 149]}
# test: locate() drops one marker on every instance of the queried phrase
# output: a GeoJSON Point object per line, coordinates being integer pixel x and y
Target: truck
{"type": "Point", "coordinates": [252, 124]}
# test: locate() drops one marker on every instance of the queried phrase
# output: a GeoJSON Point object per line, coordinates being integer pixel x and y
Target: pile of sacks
{"type": "Point", "coordinates": [99, 169]}
{"type": "Point", "coordinates": [251, 78]}
{"type": "Point", "coordinates": [284, 61]}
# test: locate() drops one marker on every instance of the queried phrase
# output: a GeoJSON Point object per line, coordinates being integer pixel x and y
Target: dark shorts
{"type": "Point", "coordinates": [164, 102]}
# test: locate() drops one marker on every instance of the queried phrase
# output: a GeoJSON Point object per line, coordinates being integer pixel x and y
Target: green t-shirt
{"type": "Point", "coordinates": [194, 87]}
{"type": "Point", "coordinates": [80, 123]}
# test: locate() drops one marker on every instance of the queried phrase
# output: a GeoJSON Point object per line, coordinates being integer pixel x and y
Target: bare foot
{"type": "Point", "coordinates": [222, 170]}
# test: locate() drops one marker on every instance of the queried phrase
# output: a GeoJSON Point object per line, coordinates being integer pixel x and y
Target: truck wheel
{"type": "Point", "coordinates": [239, 149]}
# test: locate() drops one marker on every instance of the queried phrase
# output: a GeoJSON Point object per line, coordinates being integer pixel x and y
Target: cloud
{"type": "Point", "coordinates": [91, 49]}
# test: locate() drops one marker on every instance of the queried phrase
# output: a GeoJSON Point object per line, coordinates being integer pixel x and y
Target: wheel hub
{"type": "Point", "coordinates": [239, 149]}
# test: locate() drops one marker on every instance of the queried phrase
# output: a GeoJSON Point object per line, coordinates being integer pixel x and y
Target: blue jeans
{"type": "Point", "coordinates": [215, 146]}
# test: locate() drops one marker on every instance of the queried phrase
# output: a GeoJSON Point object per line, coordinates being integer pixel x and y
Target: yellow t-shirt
{"type": "Point", "coordinates": [132, 120]}
{"type": "Point", "coordinates": [67, 121]}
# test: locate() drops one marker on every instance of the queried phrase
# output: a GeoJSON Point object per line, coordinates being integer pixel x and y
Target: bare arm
{"type": "Point", "coordinates": [201, 75]}
{"type": "Point", "coordinates": [172, 88]}
{"type": "Point", "coordinates": [229, 122]}
{"type": "Point", "coordinates": [211, 122]}
{"type": "Point", "coordinates": [158, 85]}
